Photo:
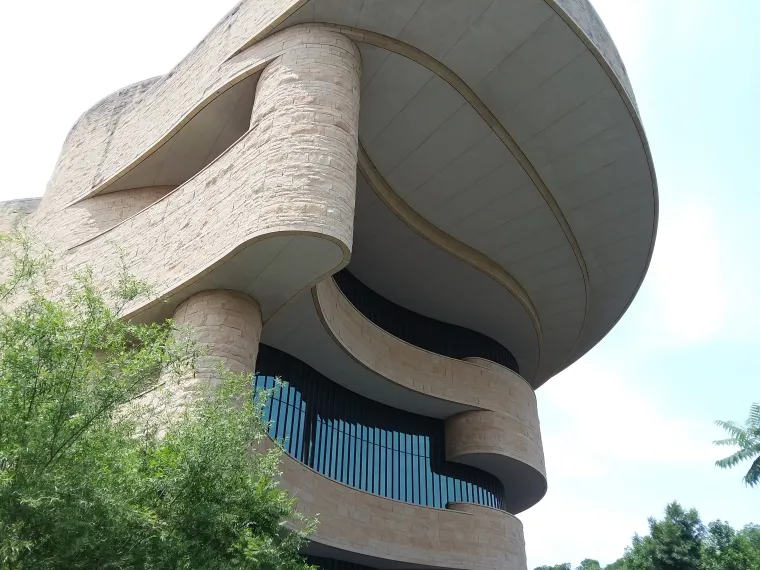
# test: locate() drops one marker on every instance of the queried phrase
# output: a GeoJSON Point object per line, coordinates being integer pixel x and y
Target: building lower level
{"type": "Point", "coordinates": [414, 212]}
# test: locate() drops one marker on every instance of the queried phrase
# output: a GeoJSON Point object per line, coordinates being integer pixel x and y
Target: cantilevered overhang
{"type": "Point", "coordinates": [510, 128]}
{"type": "Point", "coordinates": [505, 182]}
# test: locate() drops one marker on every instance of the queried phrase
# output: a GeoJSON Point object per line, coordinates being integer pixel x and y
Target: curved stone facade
{"type": "Point", "coordinates": [479, 164]}
{"type": "Point", "coordinates": [226, 325]}
{"type": "Point", "coordinates": [382, 531]}
{"type": "Point", "coordinates": [14, 211]}
{"type": "Point", "coordinates": [501, 435]}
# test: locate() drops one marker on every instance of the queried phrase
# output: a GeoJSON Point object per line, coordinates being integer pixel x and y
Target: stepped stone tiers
{"type": "Point", "coordinates": [416, 212]}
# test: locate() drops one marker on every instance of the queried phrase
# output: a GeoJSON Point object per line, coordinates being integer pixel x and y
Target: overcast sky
{"type": "Point", "coordinates": [626, 429]}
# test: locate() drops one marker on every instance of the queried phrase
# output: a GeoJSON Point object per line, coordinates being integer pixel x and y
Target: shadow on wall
{"type": "Point", "coordinates": [423, 332]}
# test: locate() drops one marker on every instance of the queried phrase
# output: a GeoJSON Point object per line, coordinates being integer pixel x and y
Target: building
{"type": "Point", "coordinates": [415, 211]}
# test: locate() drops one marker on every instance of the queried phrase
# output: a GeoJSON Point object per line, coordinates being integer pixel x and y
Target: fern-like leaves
{"type": "Point", "coordinates": [747, 439]}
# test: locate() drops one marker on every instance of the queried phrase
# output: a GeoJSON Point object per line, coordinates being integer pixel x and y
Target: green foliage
{"type": "Point", "coordinates": [726, 549]}
{"type": "Point", "coordinates": [675, 543]}
{"type": "Point", "coordinates": [747, 439]}
{"type": "Point", "coordinates": [681, 542]}
{"type": "Point", "coordinates": [93, 477]}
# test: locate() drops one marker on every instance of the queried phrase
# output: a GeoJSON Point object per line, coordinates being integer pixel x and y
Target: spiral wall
{"type": "Point", "coordinates": [415, 213]}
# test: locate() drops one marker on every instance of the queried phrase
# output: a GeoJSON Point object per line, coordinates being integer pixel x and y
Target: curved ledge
{"type": "Point", "coordinates": [444, 241]}
{"type": "Point", "coordinates": [504, 404]}
{"type": "Point", "coordinates": [503, 445]}
{"type": "Point", "coordinates": [422, 58]}
{"type": "Point", "coordinates": [463, 536]}
{"type": "Point", "coordinates": [427, 333]}
{"type": "Point", "coordinates": [13, 211]}
{"type": "Point", "coordinates": [442, 71]}
{"type": "Point", "coordinates": [96, 216]}
{"type": "Point", "coordinates": [235, 225]}
{"type": "Point", "coordinates": [582, 18]}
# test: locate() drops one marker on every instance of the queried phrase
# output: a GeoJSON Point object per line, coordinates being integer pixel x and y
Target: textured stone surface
{"type": "Point", "coordinates": [463, 536]}
{"type": "Point", "coordinates": [292, 174]}
{"type": "Point", "coordinates": [91, 217]}
{"type": "Point", "coordinates": [227, 326]}
{"type": "Point", "coordinates": [504, 422]}
{"type": "Point", "coordinates": [13, 211]}
{"type": "Point", "coordinates": [291, 177]}
{"type": "Point", "coordinates": [111, 135]}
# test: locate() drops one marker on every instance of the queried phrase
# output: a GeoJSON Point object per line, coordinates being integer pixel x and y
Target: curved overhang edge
{"type": "Point", "coordinates": [514, 452]}
{"type": "Point", "coordinates": [628, 99]}
{"type": "Point", "coordinates": [581, 34]}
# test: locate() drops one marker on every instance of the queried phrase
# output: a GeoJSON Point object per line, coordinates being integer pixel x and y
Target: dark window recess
{"type": "Point", "coordinates": [436, 336]}
{"type": "Point", "coordinates": [330, 564]}
{"type": "Point", "coordinates": [362, 443]}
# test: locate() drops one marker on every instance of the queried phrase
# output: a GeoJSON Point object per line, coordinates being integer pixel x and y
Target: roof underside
{"type": "Point", "coordinates": [568, 210]}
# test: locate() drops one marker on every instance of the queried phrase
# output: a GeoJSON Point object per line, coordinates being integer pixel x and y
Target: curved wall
{"type": "Point", "coordinates": [382, 533]}
{"type": "Point", "coordinates": [426, 333]}
{"type": "Point", "coordinates": [14, 211]}
{"type": "Point", "coordinates": [363, 444]}
{"type": "Point", "coordinates": [499, 398]}
{"type": "Point", "coordinates": [94, 216]}
{"type": "Point", "coordinates": [274, 213]}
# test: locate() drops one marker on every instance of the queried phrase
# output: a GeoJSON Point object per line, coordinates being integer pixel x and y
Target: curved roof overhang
{"type": "Point", "coordinates": [510, 127]}
{"type": "Point", "coordinates": [501, 154]}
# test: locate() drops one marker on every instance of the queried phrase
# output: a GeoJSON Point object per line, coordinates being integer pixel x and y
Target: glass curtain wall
{"type": "Point", "coordinates": [362, 443]}
{"type": "Point", "coordinates": [436, 336]}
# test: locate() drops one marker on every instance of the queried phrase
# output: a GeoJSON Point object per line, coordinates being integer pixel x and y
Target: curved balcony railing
{"type": "Point", "coordinates": [362, 443]}
{"type": "Point", "coordinates": [426, 333]}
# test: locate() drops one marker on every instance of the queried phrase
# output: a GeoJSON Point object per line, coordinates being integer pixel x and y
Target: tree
{"type": "Point", "coordinates": [565, 566]}
{"type": "Point", "coordinates": [676, 541]}
{"type": "Point", "coordinates": [747, 439]}
{"type": "Point", "coordinates": [681, 542]}
{"type": "Point", "coordinates": [92, 478]}
{"type": "Point", "coordinates": [726, 549]}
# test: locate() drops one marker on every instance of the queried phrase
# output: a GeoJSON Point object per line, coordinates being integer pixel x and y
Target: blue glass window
{"type": "Point", "coordinates": [436, 336]}
{"type": "Point", "coordinates": [363, 443]}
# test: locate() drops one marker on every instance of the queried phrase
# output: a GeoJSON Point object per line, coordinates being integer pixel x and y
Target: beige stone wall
{"type": "Point", "coordinates": [292, 174]}
{"type": "Point", "coordinates": [501, 434]}
{"type": "Point", "coordinates": [126, 125]}
{"type": "Point", "coordinates": [503, 396]}
{"type": "Point", "coordinates": [14, 211]}
{"type": "Point", "coordinates": [227, 326]}
{"type": "Point", "coordinates": [91, 217]}
{"type": "Point", "coordinates": [463, 536]}
{"type": "Point", "coordinates": [485, 432]}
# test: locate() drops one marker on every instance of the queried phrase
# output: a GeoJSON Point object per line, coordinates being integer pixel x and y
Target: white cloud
{"type": "Point", "coordinates": [609, 418]}
{"type": "Point", "coordinates": [605, 435]}
{"type": "Point", "coordinates": [79, 52]}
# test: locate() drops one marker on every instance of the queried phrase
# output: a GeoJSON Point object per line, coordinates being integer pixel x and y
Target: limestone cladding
{"type": "Point", "coordinates": [485, 432]}
{"type": "Point", "coordinates": [117, 131]}
{"type": "Point", "coordinates": [14, 211]}
{"type": "Point", "coordinates": [293, 173]}
{"type": "Point", "coordinates": [502, 396]}
{"type": "Point", "coordinates": [91, 217]}
{"type": "Point", "coordinates": [463, 536]}
{"type": "Point", "coordinates": [227, 326]}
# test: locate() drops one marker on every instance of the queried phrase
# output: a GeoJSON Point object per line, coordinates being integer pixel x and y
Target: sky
{"type": "Point", "coordinates": [627, 428]}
